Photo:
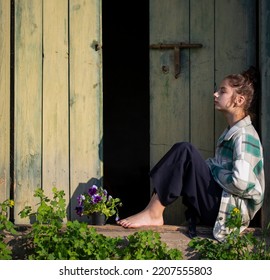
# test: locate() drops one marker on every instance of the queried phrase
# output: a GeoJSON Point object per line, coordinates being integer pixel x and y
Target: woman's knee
{"type": "Point", "coordinates": [183, 146]}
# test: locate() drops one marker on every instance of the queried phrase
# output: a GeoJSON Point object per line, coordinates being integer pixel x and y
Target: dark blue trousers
{"type": "Point", "coordinates": [183, 172]}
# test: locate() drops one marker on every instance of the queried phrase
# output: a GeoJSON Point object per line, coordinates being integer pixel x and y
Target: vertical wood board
{"type": "Point", "coordinates": [28, 81]}
{"type": "Point", "coordinates": [4, 99]}
{"type": "Point", "coordinates": [55, 97]}
{"type": "Point", "coordinates": [202, 77]}
{"type": "Point", "coordinates": [265, 101]}
{"type": "Point", "coordinates": [169, 97]}
{"type": "Point", "coordinates": [85, 96]}
{"type": "Point", "coordinates": [235, 45]}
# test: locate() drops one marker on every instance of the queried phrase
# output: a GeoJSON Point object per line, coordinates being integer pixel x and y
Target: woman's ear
{"type": "Point", "coordinates": [240, 100]}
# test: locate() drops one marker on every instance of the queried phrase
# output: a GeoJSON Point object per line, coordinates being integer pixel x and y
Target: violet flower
{"type": "Point", "coordinates": [80, 199]}
{"type": "Point", "coordinates": [92, 190]}
{"type": "Point", "coordinates": [79, 210]}
{"type": "Point", "coordinates": [96, 198]}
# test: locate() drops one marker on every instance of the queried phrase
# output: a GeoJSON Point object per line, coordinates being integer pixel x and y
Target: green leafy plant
{"type": "Point", "coordinates": [6, 226]}
{"type": "Point", "coordinates": [236, 246]}
{"type": "Point", "coordinates": [76, 241]}
{"type": "Point", "coordinates": [147, 245]}
{"type": "Point", "coordinates": [49, 211]}
{"type": "Point", "coordinates": [54, 240]}
{"type": "Point", "coordinates": [98, 200]}
{"type": "Point", "coordinates": [48, 221]}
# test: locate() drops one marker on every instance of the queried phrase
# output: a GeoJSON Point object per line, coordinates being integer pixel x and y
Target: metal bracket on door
{"type": "Point", "coordinates": [176, 47]}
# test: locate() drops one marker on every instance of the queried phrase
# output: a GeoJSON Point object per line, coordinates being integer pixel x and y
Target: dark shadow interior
{"type": "Point", "coordinates": [126, 102]}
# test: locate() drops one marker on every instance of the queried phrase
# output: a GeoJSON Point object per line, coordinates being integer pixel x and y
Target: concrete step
{"type": "Point", "coordinates": [173, 236]}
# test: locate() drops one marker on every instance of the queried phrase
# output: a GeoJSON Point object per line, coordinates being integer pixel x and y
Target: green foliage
{"type": "Point", "coordinates": [236, 246]}
{"type": "Point", "coordinates": [77, 241]}
{"type": "Point", "coordinates": [5, 227]}
{"type": "Point", "coordinates": [49, 212]}
{"type": "Point", "coordinates": [147, 245]}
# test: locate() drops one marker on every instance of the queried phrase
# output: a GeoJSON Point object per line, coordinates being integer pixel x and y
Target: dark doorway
{"type": "Point", "coordinates": [126, 102]}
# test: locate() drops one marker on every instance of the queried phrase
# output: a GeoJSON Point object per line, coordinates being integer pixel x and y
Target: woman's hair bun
{"type": "Point", "coordinates": [252, 75]}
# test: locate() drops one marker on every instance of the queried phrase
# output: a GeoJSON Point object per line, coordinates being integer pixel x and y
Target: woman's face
{"type": "Point", "coordinates": [224, 97]}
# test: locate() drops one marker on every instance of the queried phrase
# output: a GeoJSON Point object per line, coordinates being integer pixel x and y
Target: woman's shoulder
{"type": "Point", "coordinates": [243, 127]}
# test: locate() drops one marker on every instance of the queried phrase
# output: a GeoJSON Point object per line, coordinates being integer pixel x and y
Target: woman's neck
{"type": "Point", "coordinates": [233, 118]}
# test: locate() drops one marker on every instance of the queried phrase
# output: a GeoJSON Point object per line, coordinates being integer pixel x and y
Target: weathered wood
{"type": "Point", "coordinates": [85, 96]}
{"type": "Point", "coordinates": [55, 159]}
{"type": "Point", "coordinates": [265, 101]}
{"type": "Point", "coordinates": [28, 101]}
{"type": "Point", "coordinates": [235, 44]}
{"type": "Point", "coordinates": [4, 99]}
{"type": "Point", "coordinates": [169, 97]}
{"type": "Point", "coordinates": [202, 77]}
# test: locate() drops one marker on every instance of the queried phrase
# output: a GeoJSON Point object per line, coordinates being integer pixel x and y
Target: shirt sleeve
{"type": "Point", "coordinates": [240, 176]}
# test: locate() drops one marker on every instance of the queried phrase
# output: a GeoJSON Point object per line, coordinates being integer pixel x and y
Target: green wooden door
{"type": "Point", "coordinates": [181, 109]}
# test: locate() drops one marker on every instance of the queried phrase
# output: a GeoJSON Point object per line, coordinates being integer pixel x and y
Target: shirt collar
{"type": "Point", "coordinates": [231, 131]}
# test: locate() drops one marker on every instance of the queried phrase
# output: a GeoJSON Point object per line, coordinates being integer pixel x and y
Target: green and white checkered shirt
{"type": "Point", "coordinates": [238, 168]}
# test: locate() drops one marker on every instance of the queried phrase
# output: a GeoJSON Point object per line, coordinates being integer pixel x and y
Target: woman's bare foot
{"type": "Point", "coordinates": [141, 219]}
{"type": "Point", "coordinates": [152, 215]}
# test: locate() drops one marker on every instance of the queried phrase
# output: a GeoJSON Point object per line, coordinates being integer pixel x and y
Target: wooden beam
{"type": "Point", "coordinates": [4, 98]}
{"type": "Point", "coordinates": [28, 103]}
{"type": "Point", "coordinates": [86, 127]}
{"type": "Point", "coordinates": [55, 159]}
{"type": "Point", "coordinates": [264, 11]}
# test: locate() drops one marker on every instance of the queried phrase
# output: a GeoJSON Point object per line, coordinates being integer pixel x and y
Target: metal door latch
{"type": "Point", "coordinates": [176, 47]}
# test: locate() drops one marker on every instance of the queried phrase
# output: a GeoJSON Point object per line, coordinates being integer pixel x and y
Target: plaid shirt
{"type": "Point", "coordinates": [238, 169]}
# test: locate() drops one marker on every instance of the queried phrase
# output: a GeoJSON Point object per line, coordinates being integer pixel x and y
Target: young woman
{"type": "Point", "coordinates": [211, 188]}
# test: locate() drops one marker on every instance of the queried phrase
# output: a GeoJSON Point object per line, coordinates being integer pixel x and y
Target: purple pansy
{"type": "Point", "coordinates": [79, 210]}
{"type": "Point", "coordinates": [96, 198]}
{"type": "Point", "coordinates": [80, 199]}
{"type": "Point", "coordinates": [92, 190]}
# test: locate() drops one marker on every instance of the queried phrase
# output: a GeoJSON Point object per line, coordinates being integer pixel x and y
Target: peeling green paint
{"type": "Point", "coordinates": [166, 87]}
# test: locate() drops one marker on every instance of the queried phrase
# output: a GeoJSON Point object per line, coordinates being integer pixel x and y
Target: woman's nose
{"type": "Point", "coordinates": [215, 90]}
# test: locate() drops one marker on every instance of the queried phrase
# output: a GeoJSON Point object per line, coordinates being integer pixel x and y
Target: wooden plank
{"type": "Point", "coordinates": [28, 81]}
{"type": "Point", "coordinates": [4, 99]}
{"type": "Point", "coordinates": [85, 96]}
{"type": "Point", "coordinates": [265, 101]}
{"type": "Point", "coordinates": [202, 77]}
{"type": "Point", "coordinates": [235, 44]}
{"type": "Point", "coordinates": [55, 160]}
{"type": "Point", "coordinates": [169, 97]}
